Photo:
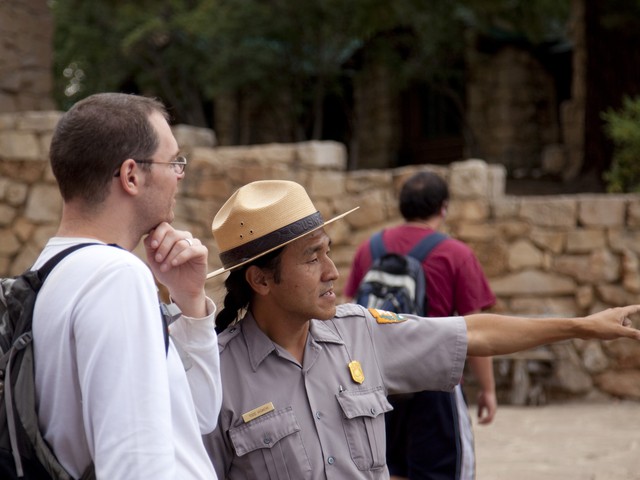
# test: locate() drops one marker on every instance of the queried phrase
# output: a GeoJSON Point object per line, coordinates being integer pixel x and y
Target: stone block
{"type": "Point", "coordinates": [241, 175]}
{"type": "Point", "coordinates": [594, 358]}
{"type": "Point", "coordinates": [625, 384]}
{"type": "Point", "coordinates": [44, 204]}
{"type": "Point", "coordinates": [468, 210]}
{"type": "Point", "coordinates": [569, 374]}
{"type": "Point", "coordinates": [478, 232]}
{"type": "Point", "coordinates": [604, 266]}
{"type": "Point", "coordinates": [9, 243]}
{"type": "Point", "coordinates": [506, 207]}
{"type": "Point", "coordinates": [497, 181]}
{"type": "Point", "coordinates": [620, 240]}
{"type": "Point", "coordinates": [266, 154]}
{"type": "Point", "coordinates": [36, 121]}
{"type": "Point", "coordinates": [7, 120]}
{"type": "Point", "coordinates": [585, 240]}
{"type": "Point", "coordinates": [362, 180]}
{"type": "Point", "coordinates": [25, 258]}
{"type": "Point", "coordinates": [469, 179]}
{"type": "Point", "coordinates": [557, 212]}
{"type": "Point", "coordinates": [16, 193]}
{"type": "Point", "coordinates": [523, 254]}
{"type": "Point", "coordinates": [372, 209]}
{"type": "Point", "coordinates": [615, 295]}
{"type": "Point", "coordinates": [533, 282]}
{"type": "Point", "coordinates": [624, 353]}
{"type": "Point", "coordinates": [602, 211]}
{"type": "Point", "coordinates": [493, 256]}
{"type": "Point", "coordinates": [576, 266]}
{"type": "Point", "coordinates": [551, 240]}
{"type": "Point", "coordinates": [326, 184]}
{"type": "Point", "coordinates": [584, 296]}
{"type": "Point", "coordinates": [23, 229]}
{"type": "Point", "coordinates": [630, 272]}
{"type": "Point", "coordinates": [188, 136]}
{"type": "Point", "coordinates": [633, 211]}
{"type": "Point", "coordinates": [560, 306]}
{"type": "Point", "coordinates": [510, 230]}
{"type": "Point", "coordinates": [322, 155]}
{"type": "Point", "coordinates": [17, 145]}
{"type": "Point", "coordinates": [7, 215]}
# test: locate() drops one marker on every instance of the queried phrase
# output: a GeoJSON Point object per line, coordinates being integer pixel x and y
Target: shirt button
{"type": "Point", "coordinates": [232, 329]}
{"type": "Point", "coordinates": [318, 415]}
{"type": "Point", "coordinates": [373, 411]}
{"type": "Point", "coordinates": [331, 460]}
{"type": "Point", "coordinates": [267, 441]}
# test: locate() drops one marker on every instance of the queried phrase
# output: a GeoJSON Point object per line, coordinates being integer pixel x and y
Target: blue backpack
{"type": "Point", "coordinates": [396, 282]}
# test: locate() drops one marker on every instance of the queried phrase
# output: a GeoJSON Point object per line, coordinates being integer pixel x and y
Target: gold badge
{"type": "Point", "coordinates": [382, 316]}
{"type": "Point", "coordinates": [356, 371]}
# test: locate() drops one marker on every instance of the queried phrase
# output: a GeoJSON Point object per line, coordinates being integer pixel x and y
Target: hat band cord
{"type": "Point", "coordinates": [271, 240]}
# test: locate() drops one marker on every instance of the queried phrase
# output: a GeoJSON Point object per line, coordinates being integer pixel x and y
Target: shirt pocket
{"type": "Point", "coordinates": [271, 445]}
{"type": "Point", "coordinates": [363, 423]}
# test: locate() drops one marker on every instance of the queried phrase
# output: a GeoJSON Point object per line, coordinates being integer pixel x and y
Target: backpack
{"type": "Point", "coordinates": [23, 451]}
{"type": "Point", "coordinates": [24, 454]}
{"type": "Point", "coordinates": [396, 282]}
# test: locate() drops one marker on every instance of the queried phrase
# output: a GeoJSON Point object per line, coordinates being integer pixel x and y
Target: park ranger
{"type": "Point", "coordinates": [305, 382]}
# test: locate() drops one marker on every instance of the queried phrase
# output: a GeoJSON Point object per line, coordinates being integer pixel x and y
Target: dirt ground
{"type": "Point", "coordinates": [573, 441]}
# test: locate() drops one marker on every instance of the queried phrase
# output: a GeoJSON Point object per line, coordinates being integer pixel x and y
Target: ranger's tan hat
{"type": "Point", "coordinates": [261, 217]}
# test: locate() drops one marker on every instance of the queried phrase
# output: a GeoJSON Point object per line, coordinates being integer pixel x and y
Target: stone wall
{"type": "Point", "coordinates": [26, 43]}
{"type": "Point", "coordinates": [567, 255]}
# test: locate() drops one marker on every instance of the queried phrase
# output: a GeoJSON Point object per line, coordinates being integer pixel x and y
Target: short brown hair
{"type": "Point", "coordinates": [95, 136]}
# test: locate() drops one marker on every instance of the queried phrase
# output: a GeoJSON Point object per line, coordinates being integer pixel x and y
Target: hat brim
{"type": "Point", "coordinates": [249, 260]}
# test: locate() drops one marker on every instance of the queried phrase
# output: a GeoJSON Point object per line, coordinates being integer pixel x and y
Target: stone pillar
{"type": "Point", "coordinates": [26, 43]}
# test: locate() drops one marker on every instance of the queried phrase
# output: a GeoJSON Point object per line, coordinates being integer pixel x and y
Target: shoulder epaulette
{"type": "Point", "coordinates": [350, 310]}
{"type": "Point", "coordinates": [227, 335]}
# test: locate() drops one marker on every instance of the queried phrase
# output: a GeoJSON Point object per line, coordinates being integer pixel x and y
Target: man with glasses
{"type": "Point", "coordinates": [112, 390]}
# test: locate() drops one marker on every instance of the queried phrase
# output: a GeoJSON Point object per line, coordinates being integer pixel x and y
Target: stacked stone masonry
{"type": "Point", "coordinates": [26, 52]}
{"type": "Point", "coordinates": [547, 255]}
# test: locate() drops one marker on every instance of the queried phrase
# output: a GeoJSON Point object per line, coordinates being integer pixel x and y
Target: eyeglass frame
{"type": "Point", "coordinates": [178, 166]}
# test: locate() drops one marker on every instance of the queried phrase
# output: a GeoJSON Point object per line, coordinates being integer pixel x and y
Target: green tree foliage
{"type": "Point", "coordinates": [143, 46]}
{"type": "Point", "coordinates": [288, 55]}
{"type": "Point", "coordinates": [623, 128]}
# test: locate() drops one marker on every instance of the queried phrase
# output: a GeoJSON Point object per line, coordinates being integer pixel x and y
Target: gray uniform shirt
{"type": "Point", "coordinates": [316, 420]}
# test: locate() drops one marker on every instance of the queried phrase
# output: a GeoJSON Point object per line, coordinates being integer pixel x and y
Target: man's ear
{"type": "Point", "coordinates": [257, 279]}
{"type": "Point", "coordinates": [443, 209]}
{"type": "Point", "coordinates": [129, 176]}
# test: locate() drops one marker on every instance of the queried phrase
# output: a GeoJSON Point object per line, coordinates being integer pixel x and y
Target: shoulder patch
{"type": "Point", "coordinates": [382, 316]}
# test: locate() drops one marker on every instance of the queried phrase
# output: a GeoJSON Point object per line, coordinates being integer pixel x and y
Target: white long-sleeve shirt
{"type": "Point", "coordinates": [108, 390]}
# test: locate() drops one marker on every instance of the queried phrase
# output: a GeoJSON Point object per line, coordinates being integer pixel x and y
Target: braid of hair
{"type": "Point", "coordinates": [240, 293]}
{"type": "Point", "coordinates": [238, 297]}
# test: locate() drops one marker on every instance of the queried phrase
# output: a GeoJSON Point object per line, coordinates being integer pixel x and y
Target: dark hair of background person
{"type": "Point", "coordinates": [422, 196]}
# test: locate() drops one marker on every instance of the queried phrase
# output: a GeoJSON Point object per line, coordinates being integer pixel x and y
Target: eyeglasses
{"type": "Point", "coordinates": [179, 164]}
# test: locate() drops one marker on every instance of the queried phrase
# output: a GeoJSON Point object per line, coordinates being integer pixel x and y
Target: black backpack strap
{"type": "Point", "coordinates": [377, 246]}
{"type": "Point", "coordinates": [428, 243]}
{"type": "Point", "coordinates": [45, 270]}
